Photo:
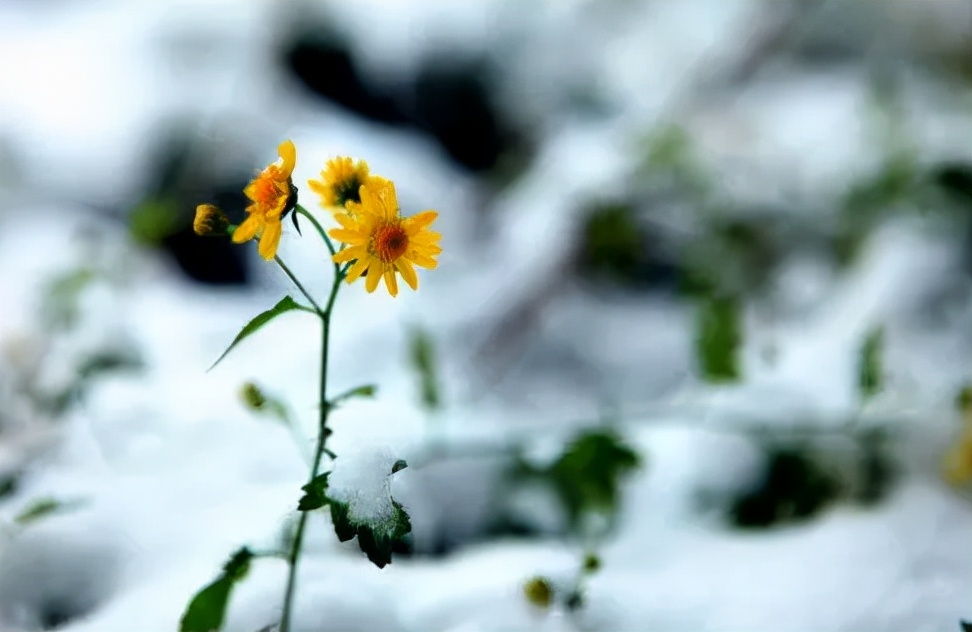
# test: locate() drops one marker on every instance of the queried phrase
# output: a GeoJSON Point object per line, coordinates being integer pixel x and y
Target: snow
{"type": "Point", "coordinates": [173, 473]}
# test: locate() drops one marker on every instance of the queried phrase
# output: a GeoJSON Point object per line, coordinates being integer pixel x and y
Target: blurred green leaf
{"type": "Point", "coordinates": [286, 304]}
{"type": "Point", "coordinates": [717, 339]}
{"type": "Point", "coordinates": [207, 610]}
{"type": "Point", "coordinates": [60, 304]}
{"type": "Point", "coordinates": [793, 487]}
{"type": "Point", "coordinates": [45, 507]}
{"type": "Point", "coordinates": [588, 474]}
{"type": "Point", "coordinates": [966, 626]}
{"type": "Point", "coordinates": [315, 493]}
{"type": "Point", "coordinates": [153, 220]}
{"type": "Point", "coordinates": [871, 365]}
{"type": "Point", "coordinates": [539, 592]}
{"type": "Point", "coordinates": [963, 400]}
{"type": "Point", "coordinates": [422, 357]}
{"type": "Point", "coordinates": [366, 390]}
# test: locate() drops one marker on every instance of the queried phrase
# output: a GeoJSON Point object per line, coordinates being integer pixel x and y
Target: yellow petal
{"type": "Point", "coordinates": [424, 261]}
{"type": "Point", "coordinates": [354, 252]}
{"type": "Point", "coordinates": [288, 152]}
{"type": "Point", "coordinates": [417, 222]}
{"type": "Point", "coordinates": [346, 221]}
{"type": "Point", "coordinates": [357, 270]}
{"type": "Point", "coordinates": [391, 282]}
{"type": "Point", "coordinates": [269, 240]}
{"type": "Point", "coordinates": [317, 187]}
{"type": "Point", "coordinates": [374, 275]}
{"type": "Point", "coordinates": [408, 273]}
{"type": "Point", "coordinates": [349, 237]}
{"type": "Point", "coordinates": [248, 229]}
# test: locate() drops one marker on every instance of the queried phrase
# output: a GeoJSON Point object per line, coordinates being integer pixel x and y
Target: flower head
{"type": "Point", "coordinates": [381, 242]}
{"type": "Point", "coordinates": [272, 195]}
{"type": "Point", "coordinates": [210, 221]}
{"type": "Point", "coordinates": [340, 182]}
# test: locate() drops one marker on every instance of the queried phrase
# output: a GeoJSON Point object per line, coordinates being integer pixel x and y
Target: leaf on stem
{"type": "Point", "coordinates": [207, 610]}
{"type": "Point", "coordinates": [366, 390]}
{"type": "Point", "coordinates": [871, 365]}
{"type": "Point", "coordinates": [315, 493]}
{"type": "Point", "coordinates": [286, 304]}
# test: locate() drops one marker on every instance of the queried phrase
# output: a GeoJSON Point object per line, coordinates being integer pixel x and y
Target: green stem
{"type": "Point", "coordinates": [310, 299]}
{"type": "Point", "coordinates": [320, 450]}
{"type": "Point", "coordinates": [320, 229]}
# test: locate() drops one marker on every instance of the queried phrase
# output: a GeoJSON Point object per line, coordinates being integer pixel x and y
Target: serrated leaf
{"type": "Point", "coordinates": [718, 336]}
{"type": "Point", "coordinates": [315, 493]}
{"type": "Point", "coordinates": [207, 610]}
{"type": "Point", "coordinates": [871, 365]}
{"type": "Point", "coordinates": [286, 304]}
{"type": "Point", "coordinates": [376, 540]}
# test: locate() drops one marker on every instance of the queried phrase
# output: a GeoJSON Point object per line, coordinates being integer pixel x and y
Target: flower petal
{"type": "Point", "coordinates": [349, 237]}
{"type": "Point", "coordinates": [390, 281]}
{"type": "Point", "coordinates": [288, 152]}
{"type": "Point", "coordinates": [356, 270]}
{"type": "Point", "coordinates": [269, 240]}
{"type": "Point", "coordinates": [374, 275]}
{"type": "Point", "coordinates": [248, 229]}
{"type": "Point", "coordinates": [423, 260]}
{"type": "Point", "coordinates": [408, 272]}
{"type": "Point", "coordinates": [417, 222]}
{"type": "Point", "coordinates": [347, 254]}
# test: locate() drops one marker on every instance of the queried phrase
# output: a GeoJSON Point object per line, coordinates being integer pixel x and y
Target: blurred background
{"type": "Point", "coordinates": [693, 357]}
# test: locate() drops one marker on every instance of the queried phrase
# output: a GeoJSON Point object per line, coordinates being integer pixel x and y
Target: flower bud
{"type": "Point", "coordinates": [539, 592]}
{"type": "Point", "coordinates": [252, 396]}
{"type": "Point", "coordinates": [210, 221]}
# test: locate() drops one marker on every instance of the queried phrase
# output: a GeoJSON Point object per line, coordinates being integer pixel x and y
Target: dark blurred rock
{"type": "Point", "coordinates": [452, 103]}
{"type": "Point", "coordinates": [323, 63]}
{"type": "Point", "coordinates": [182, 175]}
{"type": "Point", "coordinates": [449, 99]}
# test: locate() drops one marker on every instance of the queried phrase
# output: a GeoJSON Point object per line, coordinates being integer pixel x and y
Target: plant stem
{"type": "Point", "coordinates": [320, 229]}
{"type": "Point", "coordinates": [300, 286]}
{"type": "Point", "coordinates": [319, 451]}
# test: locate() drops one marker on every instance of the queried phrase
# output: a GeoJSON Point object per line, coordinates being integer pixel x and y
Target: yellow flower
{"type": "Point", "coordinates": [382, 242]}
{"type": "Point", "coordinates": [340, 181]}
{"type": "Point", "coordinates": [210, 221]}
{"type": "Point", "coordinates": [272, 194]}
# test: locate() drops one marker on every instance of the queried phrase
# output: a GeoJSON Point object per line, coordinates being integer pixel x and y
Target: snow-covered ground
{"type": "Point", "coordinates": [169, 473]}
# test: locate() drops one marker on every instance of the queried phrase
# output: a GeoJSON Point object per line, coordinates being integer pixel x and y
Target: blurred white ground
{"type": "Point", "coordinates": [175, 474]}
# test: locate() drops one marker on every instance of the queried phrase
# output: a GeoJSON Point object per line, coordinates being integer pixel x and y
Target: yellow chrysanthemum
{"type": "Point", "coordinates": [381, 242]}
{"type": "Point", "coordinates": [272, 194]}
{"type": "Point", "coordinates": [340, 182]}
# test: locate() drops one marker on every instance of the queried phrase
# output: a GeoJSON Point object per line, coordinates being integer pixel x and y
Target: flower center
{"type": "Point", "coordinates": [265, 190]}
{"type": "Point", "coordinates": [389, 242]}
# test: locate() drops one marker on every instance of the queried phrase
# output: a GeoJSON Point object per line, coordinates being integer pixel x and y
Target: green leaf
{"type": "Point", "coordinates": [422, 356]}
{"type": "Point", "coordinates": [966, 626]}
{"type": "Point", "coordinates": [376, 539]}
{"type": "Point", "coordinates": [315, 493]}
{"type": "Point", "coordinates": [207, 610]}
{"type": "Point", "coordinates": [718, 338]}
{"type": "Point", "coordinates": [871, 365]}
{"type": "Point", "coordinates": [366, 390]}
{"type": "Point", "coordinates": [964, 399]}
{"type": "Point", "coordinates": [43, 508]}
{"type": "Point", "coordinates": [588, 475]}
{"type": "Point", "coordinates": [153, 220]}
{"type": "Point", "coordinates": [285, 305]}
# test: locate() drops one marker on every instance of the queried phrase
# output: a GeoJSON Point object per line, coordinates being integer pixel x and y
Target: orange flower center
{"type": "Point", "coordinates": [265, 190]}
{"type": "Point", "coordinates": [389, 242]}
